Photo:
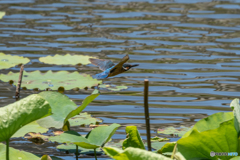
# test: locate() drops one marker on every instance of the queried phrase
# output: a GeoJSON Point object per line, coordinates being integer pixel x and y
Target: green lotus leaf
{"type": "Point", "coordinates": [16, 115]}
{"type": "Point", "coordinates": [8, 61]}
{"type": "Point", "coordinates": [159, 139]}
{"type": "Point", "coordinates": [133, 138]}
{"type": "Point", "coordinates": [46, 157]}
{"type": "Point", "coordinates": [175, 131]}
{"type": "Point", "coordinates": [61, 106]}
{"type": "Point", "coordinates": [200, 144]}
{"type": "Point", "coordinates": [133, 154]}
{"type": "Point", "coordinates": [15, 154]}
{"type": "Point", "coordinates": [167, 148]}
{"type": "Point", "coordinates": [211, 122]}
{"type": "Point", "coordinates": [72, 149]}
{"type": "Point", "coordinates": [236, 111]}
{"type": "Point", "coordinates": [66, 59]}
{"type": "Point", "coordinates": [2, 14]}
{"type": "Point", "coordinates": [31, 127]}
{"type": "Point", "coordinates": [95, 139]}
{"type": "Point", "coordinates": [157, 145]}
{"type": "Point", "coordinates": [83, 119]}
{"type": "Point", "coordinates": [52, 80]}
{"type": "Point", "coordinates": [112, 87]}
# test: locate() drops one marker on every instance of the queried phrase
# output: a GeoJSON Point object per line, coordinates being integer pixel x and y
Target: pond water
{"type": "Point", "coordinates": [189, 51]}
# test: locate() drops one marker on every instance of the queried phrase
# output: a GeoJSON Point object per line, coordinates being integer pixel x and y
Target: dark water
{"type": "Point", "coordinates": [189, 51]}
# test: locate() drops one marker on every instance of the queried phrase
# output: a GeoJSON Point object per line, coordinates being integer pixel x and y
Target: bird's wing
{"type": "Point", "coordinates": [119, 65]}
{"type": "Point", "coordinates": [102, 63]}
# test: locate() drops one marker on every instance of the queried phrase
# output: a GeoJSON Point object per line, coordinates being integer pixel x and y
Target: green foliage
{"type": "Point", "coordinates": [236, 111]}
{"type": "Point", "coordinates": [8, 61]}
{"type": "Point", "coordinates": [72, 149]}
{"type": "Point", "coordinates": [132, 154]}
{"type": "Point", "coordinates": [168, 147]}
{"type": "Point", "coordinates": [112, 87]}
{"type": "Point", "coordinates": [16, 115]}
{"type": "Point", "coordinates": [52, 80]}
{"type": "Point", "coordinates": [200, 144]}
{"type": "Point", "coordinates": [66, 59]}
{"type": "Point", "coordinates": [16, 154]}
{"type": "Point", "coordinates": [95, 139]}
{"type": "Point", "coordinates": [210, 122]}
{"type": "Point", "coordinates": [83, 119]}
{"type": "Point", "coordinates": [61, 106]}
{"type": "Point", "coordinates": [31, 127]}
{"type": "Point", "coordinates": [159, 139]}
{"type": "Point", "coordinates": [174, 131]}
{"type": "Point", "coordinates": [133, 138]}
{"type": "Point", "coordinates": [2, 14]}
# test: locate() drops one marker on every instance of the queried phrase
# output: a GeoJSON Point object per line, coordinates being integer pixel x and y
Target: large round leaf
{"type": "Point", "coordinates": [52, 80]}
{"type": "Point", "coordinates": [61, 107]}
{"type": "Point", "coordinates": [16, 115]}
{"type": "Point", "coordinates": [8, 61]}
{"type": "Point", "coordinates": [15, 154]}
{"type": "Point", "coordinates": [200, 144]}
{"type": "Point", "coordinates": [66, 59]}
{"type": "Point", "coordinates": [133, 154]}
{"type": "Point", "coordinates": [211, 122]}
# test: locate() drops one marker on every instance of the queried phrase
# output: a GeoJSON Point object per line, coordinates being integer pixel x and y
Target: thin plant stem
{"type": "Point", "coordinates": [95, 154]}
{"type": "Point", "coordinates": [76, 152]}
{"type": "Point", "coordinates": [7, 149]}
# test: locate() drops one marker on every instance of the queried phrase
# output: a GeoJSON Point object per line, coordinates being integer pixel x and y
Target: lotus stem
{"type": "Point", "coordinates": [17, 95]}
{"type": "Point", "coordinates": [76, 152]}
{"type": "Point", "coordinates": [7, 149]}
{"type": "Point", "coordinates": [147, 114]}
{"type": "Point", "coordinates": [95, 154]}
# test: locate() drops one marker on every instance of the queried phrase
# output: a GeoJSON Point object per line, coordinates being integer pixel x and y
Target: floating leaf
{"type": "Point", "coordinates": [52, 80]}
{"type": "Point", "coordinates": [46, 157]}
{"type": "Point", "coordinates": [15, 154]}
{"type": "Point", "coordinates": [157, 145]}
{"type": "Point", "coordinates": [200, 144]}
{"type": "Point", "coordinates": [159, 139]}
{"type": "Point", "coordinates": [112, 87]}
{"type": "Point", "coordinates": [174, 131]}
{"type": "Point", "coordinates": [31, 127]}
{"type": "Point", "coordinates": [211, 122]}
{"type": "Point", "coordinates": [83, 119]}
{"type": "Point", "coordinates": [66, 59]}
{"type": "Point", "coordinates": [36, 138]}
{"type": "Point", "coordinates": [2, 14]}
{"type": "Point", "coordinates": [8, 61]}
{"type": "Point", "coordinates": [133, 138]}
{"type": "Point", "coordinates": [167, 148]}
{"type": "Point", "coordinates": [133, 154]}
{"type": "Point", "coordinates": [16, 115]}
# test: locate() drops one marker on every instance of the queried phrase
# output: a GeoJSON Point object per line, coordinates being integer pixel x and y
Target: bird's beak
{"type": "Point", "coordinates": [134, 65]}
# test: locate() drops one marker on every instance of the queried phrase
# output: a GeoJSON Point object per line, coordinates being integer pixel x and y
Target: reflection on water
{"type": "Point", "coordinates": [189, 50]}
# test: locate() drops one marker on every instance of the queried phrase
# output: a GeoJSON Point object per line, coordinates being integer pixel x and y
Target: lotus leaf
{"type": "Point", "coordinates": [157, 145]}
{"type": "Point", "coordinates": [211, 122]}
{"type": "Point", "coordinates": [159, 139]}
{"type": "Point", "coordinates": [66, 59]}
{"type": "Point", "coordinates": [236, 111]}
{"type": "Point", "coordinates": [133, 154]}
{"type": "Point", "coordinates": [16, 115]}
{"type": "Point", "coordinates": [2, 14]}
{"type": "Point", "coordinates": [61, 107]}
{"type": "Point", "coordinates": [31, 127]}
{"type": "Point", "coordinates": [46, 157]}
{"type": "Point", "coordinates": [175, 131]}
{"type": "Point", "coordinates": [95, 139]}
{"type": "Point", "coordinates": [8, 61]}
{"type": "Point", "coordinates": [16, 154]}
{"type": "Point", "coordinates": [167, 148]}
{"type": "Point", "coordinates": [83, 119]}
{"type": "Point", "coordinates": [133, 138]}
{"type": "Point", "coordinates": [52, 80]}
{"type": "Point", "coordinates": [72, 149]}
{"type": "Point", "coordinates": [200, 144]}
{"type": "Point", "coordinates": [112, 87]}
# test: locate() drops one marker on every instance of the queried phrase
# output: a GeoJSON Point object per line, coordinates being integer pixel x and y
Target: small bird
{"type": "Point", "coordinates": [108, 67]}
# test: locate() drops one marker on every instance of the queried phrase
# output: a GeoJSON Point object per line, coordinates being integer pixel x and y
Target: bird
{"type": "Point", "coordinates": [109, 68]}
